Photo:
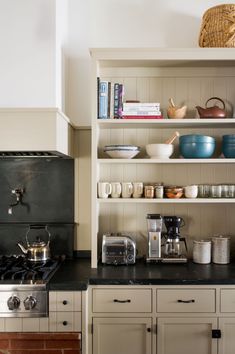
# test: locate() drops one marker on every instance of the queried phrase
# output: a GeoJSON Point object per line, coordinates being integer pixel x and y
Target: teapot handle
{"type": "Point", "coordinates": [218, 99]}
{"type": "Point", "coordinates": [37, 227]}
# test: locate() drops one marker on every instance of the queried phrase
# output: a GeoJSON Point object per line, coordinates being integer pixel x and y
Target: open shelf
{"type": "Point", "coordinates": [166, 200]}
{"type": "Point", "coordinates": [166, 123]}
{"type": "Point", "coordinates": [166, 161]}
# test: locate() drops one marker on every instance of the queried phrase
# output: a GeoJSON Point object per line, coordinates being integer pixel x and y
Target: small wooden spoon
{"type": "Point", "coordinates": [172, 138]}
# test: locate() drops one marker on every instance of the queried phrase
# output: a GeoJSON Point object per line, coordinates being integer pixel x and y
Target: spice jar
{"type": "Point", "coordinates": [159, 191]}
{"type": "Point", "coordinates": [149, 191]}
{"type": "Point", "coordinates": [202, 251]}
{"type": "Point", "coordinates": [220, 250]}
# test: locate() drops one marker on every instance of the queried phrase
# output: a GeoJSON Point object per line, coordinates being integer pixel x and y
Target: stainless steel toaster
{"type": "Point", "coordinates": [118, 249]}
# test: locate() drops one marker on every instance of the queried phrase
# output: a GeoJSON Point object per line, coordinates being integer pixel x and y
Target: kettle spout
{"type": "Point", "coordinates": [22, 248]}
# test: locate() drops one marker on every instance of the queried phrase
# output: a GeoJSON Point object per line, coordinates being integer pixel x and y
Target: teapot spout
{"type": "Point", "coordinates": [22, 248]}
{"type": "Point", "coordinates": [200, 110]}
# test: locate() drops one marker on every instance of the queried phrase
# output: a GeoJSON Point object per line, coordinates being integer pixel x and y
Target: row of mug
{"type": "Point", "coordinates": [118, 189]}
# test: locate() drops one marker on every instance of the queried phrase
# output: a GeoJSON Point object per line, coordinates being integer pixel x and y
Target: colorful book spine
{"type": "Point", "coordinates": [103, 100]}
{"type": "Point", "coordinates": [120, 100]}
{"type": "Point", "coordinates": [115, 108]}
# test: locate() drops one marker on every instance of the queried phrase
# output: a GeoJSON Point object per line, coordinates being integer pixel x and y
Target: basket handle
{"type": "Point", "coordinates": [216, 98]}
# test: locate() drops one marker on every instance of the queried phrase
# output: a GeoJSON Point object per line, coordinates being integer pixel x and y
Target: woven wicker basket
{"type": "Point", "coordinates": [218, 27]}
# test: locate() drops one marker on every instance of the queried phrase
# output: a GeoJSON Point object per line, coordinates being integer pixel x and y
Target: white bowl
{"type": "Point", "coordinates": [122, 154]}
{"type": "Point", "coordinates": [159, 151]}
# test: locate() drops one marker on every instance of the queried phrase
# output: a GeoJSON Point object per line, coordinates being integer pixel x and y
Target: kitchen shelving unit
{"type": "Point", "coordinates": [190, 76]}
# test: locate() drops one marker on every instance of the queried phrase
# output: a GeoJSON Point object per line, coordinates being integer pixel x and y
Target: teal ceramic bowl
{"type": "Point", "coordinates": [228, 149]}
{"type": "Point", "coordinates": [197, 149]}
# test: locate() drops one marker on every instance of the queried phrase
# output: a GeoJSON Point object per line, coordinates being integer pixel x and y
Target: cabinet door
{"type": "Point", "coordinates": [227, 340]}
{"type": "Point", "coordinates": [121, 336]}
{"type": "Point", "coordinates": [186, 335]}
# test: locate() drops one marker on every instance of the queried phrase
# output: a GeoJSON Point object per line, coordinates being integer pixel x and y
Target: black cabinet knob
{"type": "Point", "coordinates": [65, 302]}
{"type": "Point", "coordinates": [148, 329]}
{"type": "Point", "coordinates": [65, 323]}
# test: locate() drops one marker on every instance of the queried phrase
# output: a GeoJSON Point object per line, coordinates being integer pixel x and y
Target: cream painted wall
{"type": "Point", "coordinates": [32, 37]}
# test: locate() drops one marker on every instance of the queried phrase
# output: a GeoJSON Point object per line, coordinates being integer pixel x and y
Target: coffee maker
{"type": "Point", "coordinates": [173, 240]}
{"type": "Point", "coordinates": [154, 225]}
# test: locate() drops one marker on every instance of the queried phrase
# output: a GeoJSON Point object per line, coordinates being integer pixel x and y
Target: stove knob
{"type": "Point", "coordinates": [13, 302]}
{"type": "Point", "coordinates": [30, 302]}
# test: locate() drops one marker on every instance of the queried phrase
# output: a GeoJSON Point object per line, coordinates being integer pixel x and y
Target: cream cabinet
{"type": "Point", "coordinates": [122, 335]}
{"type": "Point", "coordinates": [227, 341]}
{"type": "Point", "coordinates": [167, 320]}
{"type": "Point", "coordinates": [190, 76]}
{"type": "Point", "coordinates": [186, 335]}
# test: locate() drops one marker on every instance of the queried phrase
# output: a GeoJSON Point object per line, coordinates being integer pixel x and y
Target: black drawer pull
{"type": "Point", "coordinates": [65, 323]}
{"type": "Point", "coordinates": [216, 333]}
{"type": "Point", "coordinates": [122, 301]}
{"type": "Point", "coordinates": [65, 302]}
{"type": "Point", "coordinates": [186, 301]}
{"type": "Point", "coordinates": [148, 329]}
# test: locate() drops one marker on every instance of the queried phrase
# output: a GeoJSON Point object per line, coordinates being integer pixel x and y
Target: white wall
{"type": "Point", "coordinates": [30, 64]}
{"type": "Point", "coordinates": [124, 23]}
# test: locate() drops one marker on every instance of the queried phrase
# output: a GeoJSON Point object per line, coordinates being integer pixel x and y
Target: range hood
{"type": "Point", "coordinates": [34, 132]}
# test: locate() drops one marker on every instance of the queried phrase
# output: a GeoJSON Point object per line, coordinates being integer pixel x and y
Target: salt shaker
{"type": "Point", "coordinates": [202, 252]}
{"type": "Point", "coordinates": [220, 250]}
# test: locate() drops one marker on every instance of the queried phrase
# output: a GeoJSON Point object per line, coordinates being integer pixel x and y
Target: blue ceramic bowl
{"type": "Point", "coordinates": [197, 150]}
{"type": "Point", "coordinates": [196, 138]}
{"type": "Point", "coordinates": [228, 138]}
{"type": "Point", "coordinates": [228, 150]}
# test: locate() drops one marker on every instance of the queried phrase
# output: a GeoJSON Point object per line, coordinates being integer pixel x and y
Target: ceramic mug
{"type": "Point", "coordinates": [138, 189]}
{"type": "Point", "coordinates": [104, 189]}
{"type": "Point", "coordinates": [191, 191]}
{"type": "Point", "coordinates": [127, 189]}
{"type": "Point", "coordinates": [116, 189]}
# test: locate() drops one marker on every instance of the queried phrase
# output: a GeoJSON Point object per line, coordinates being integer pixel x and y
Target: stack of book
{"type": "Point", "coordinates": [110, 99]}
{"type": "Point", "coordinates": [137, 110]}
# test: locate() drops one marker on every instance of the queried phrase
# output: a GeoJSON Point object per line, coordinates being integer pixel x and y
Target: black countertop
{"type": "Point", "coordinates": [77, 274]}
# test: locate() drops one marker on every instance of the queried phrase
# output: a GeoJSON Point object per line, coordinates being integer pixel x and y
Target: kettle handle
{"type": "Point", "coordinates": [216, 98]}
{"type": "Point", "coordinates": [37, 227]}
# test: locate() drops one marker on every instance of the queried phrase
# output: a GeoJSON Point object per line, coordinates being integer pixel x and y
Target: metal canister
{"type": "Point", "coordinates": [202, 251]}
{"type": "Point", "coordinates": [220, 249]}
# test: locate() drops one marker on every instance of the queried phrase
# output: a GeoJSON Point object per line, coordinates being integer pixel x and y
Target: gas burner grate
{"type": "Point", "coordinates": [20, 268]}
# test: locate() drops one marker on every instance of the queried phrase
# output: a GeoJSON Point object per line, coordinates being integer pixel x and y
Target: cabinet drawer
{"type": "Point", "coordinates": [186, 300]}
{"type": "Point", "coordinates": [65, 322]}
{"type": "Point", "coordinates": [227, 300]}
{"type": "Point", "coordinates": [65, 300]}
{"type": "Point", "coordinates": [122, 300]}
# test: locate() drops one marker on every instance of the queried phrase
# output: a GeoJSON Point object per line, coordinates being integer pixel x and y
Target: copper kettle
{"type": "Point", "coordinates": [213, 111]}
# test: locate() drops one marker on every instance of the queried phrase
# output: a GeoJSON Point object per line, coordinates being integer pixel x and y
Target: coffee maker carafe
{"type": "Point", "coordinates": [174, 241]}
